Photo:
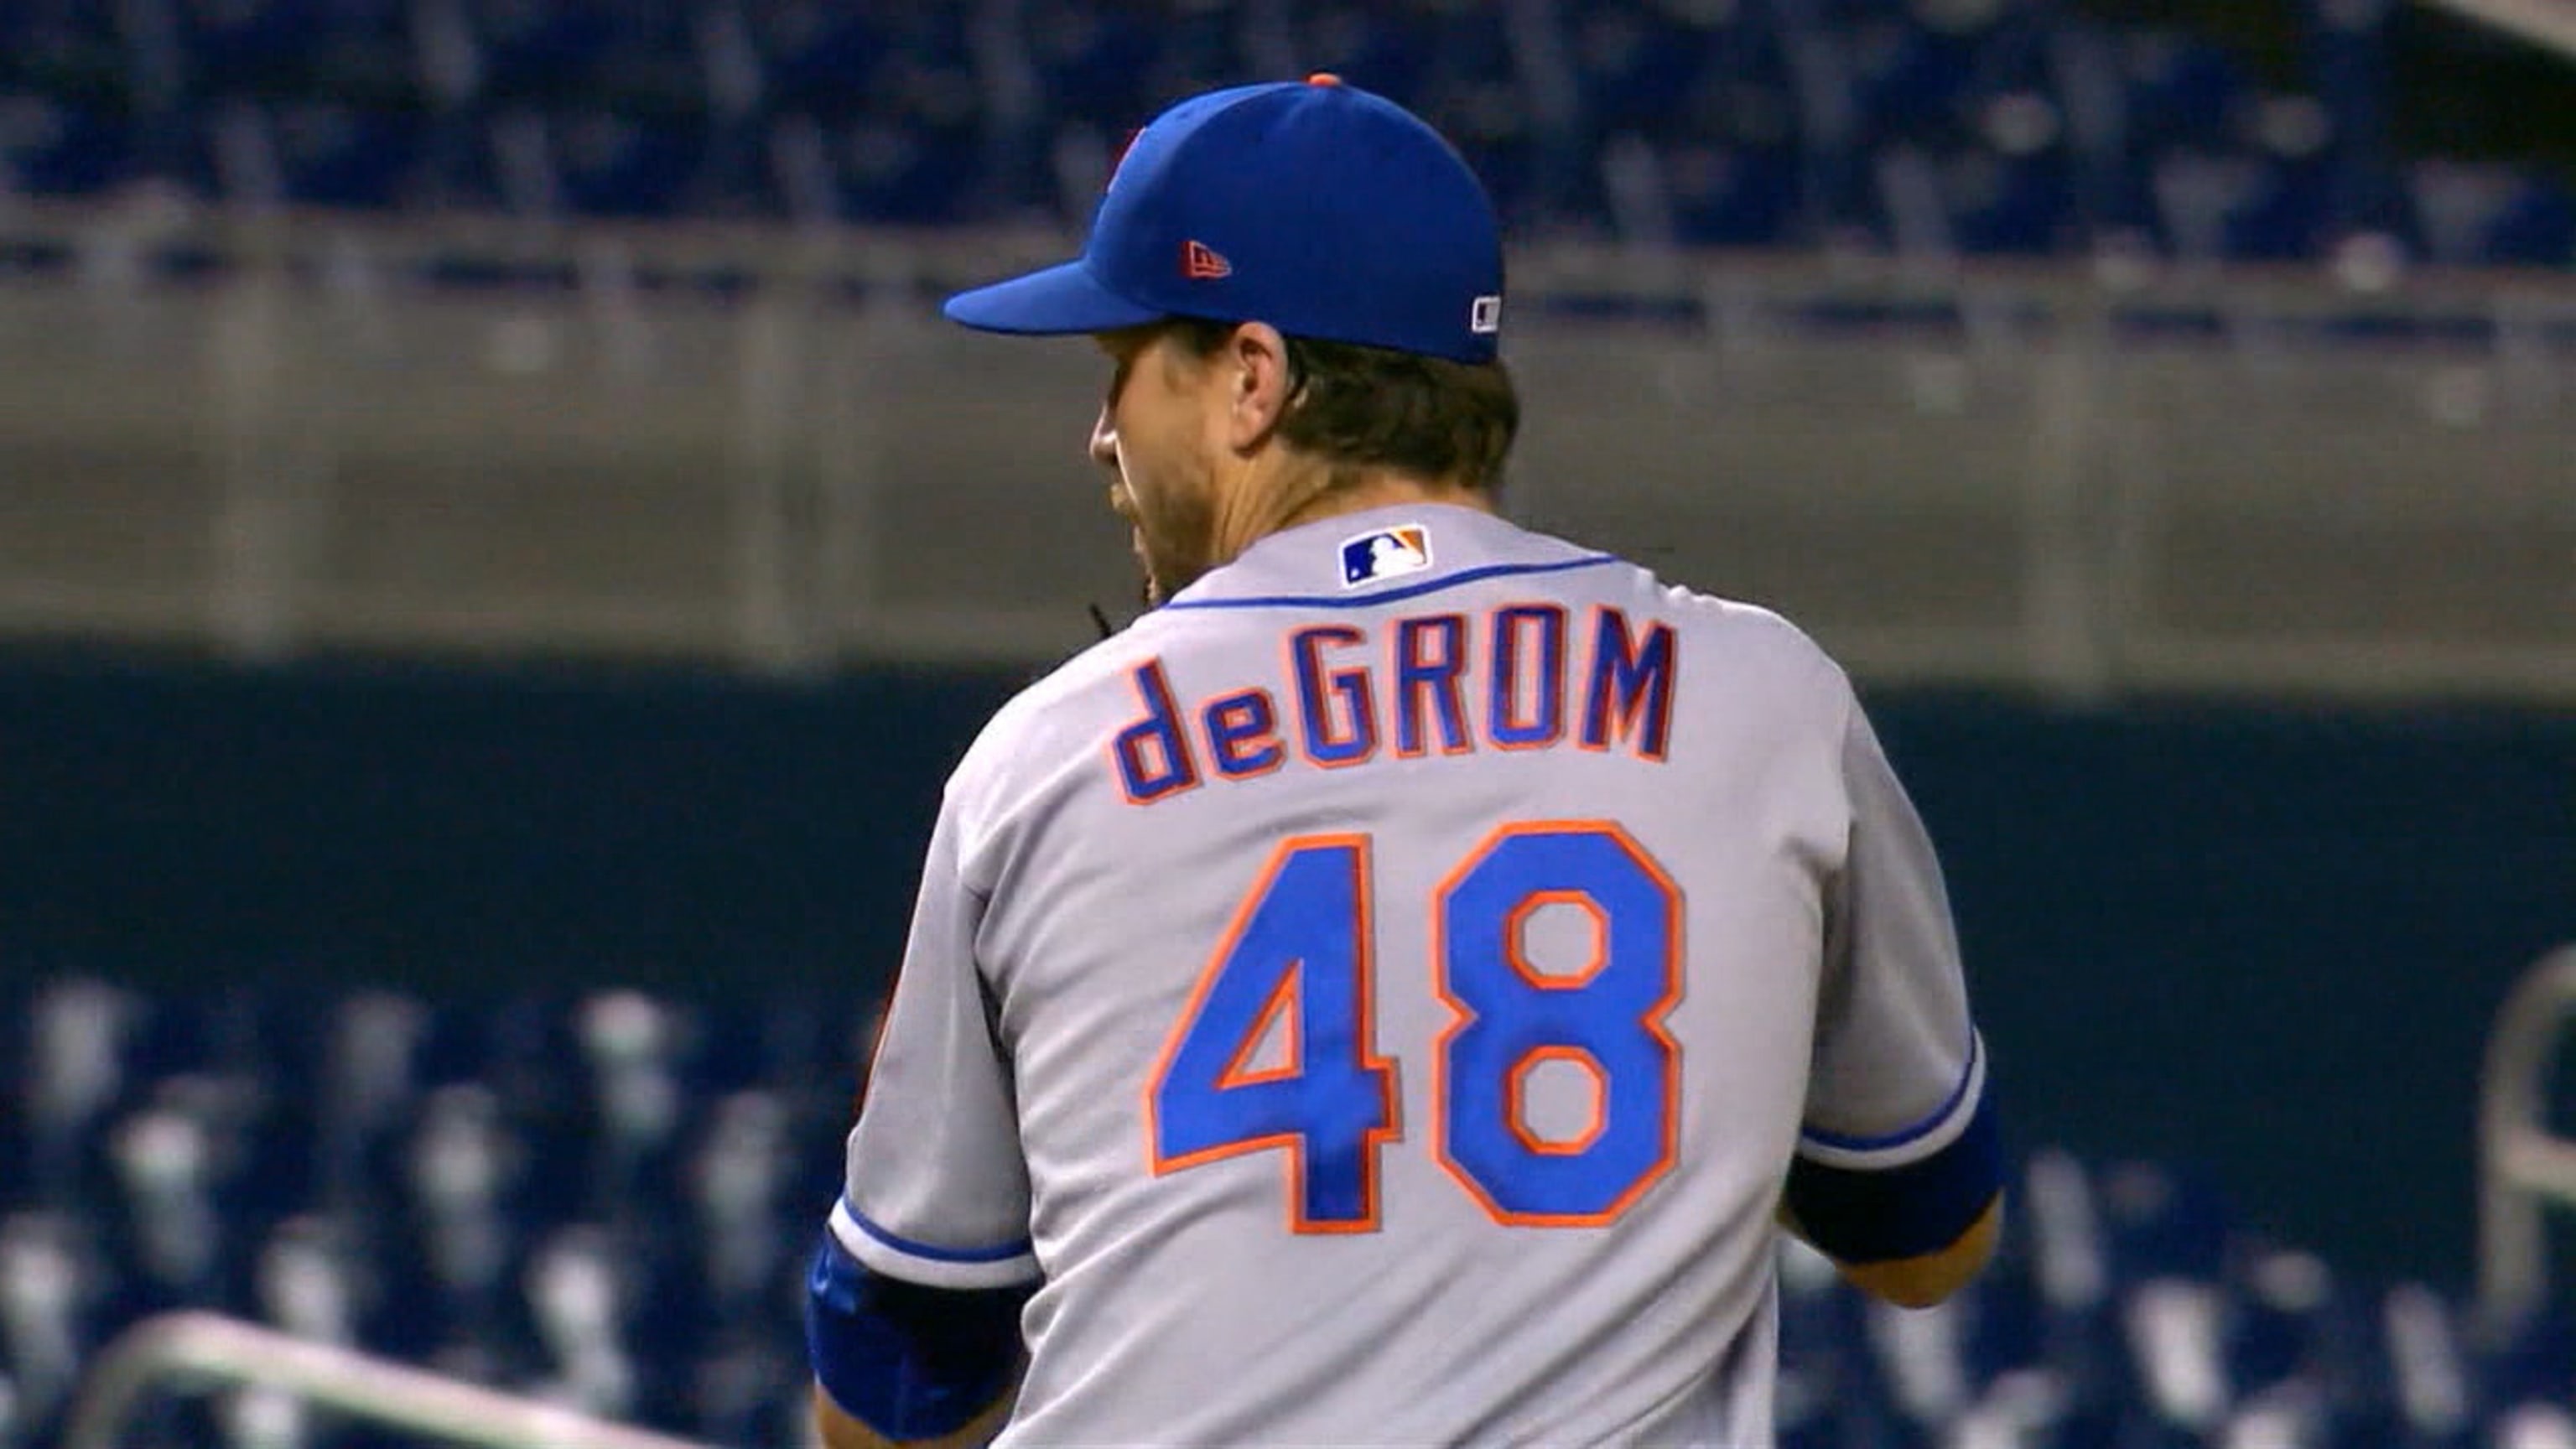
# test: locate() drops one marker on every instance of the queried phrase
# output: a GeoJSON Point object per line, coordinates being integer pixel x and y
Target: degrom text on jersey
{"type": "Point", "coordinates": [1523, 676]}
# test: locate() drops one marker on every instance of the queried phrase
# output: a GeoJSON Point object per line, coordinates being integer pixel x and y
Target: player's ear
{"type": "Point", "coordinates": [1258, 383]}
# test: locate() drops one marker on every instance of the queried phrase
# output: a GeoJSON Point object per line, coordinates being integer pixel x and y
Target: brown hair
{"type": "Point", "coordinates": [1372, 407]}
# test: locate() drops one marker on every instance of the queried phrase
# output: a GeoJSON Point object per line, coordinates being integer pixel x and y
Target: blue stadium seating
{"type": "Point", "coordinates": [59, 147]}
{"type": "Point", "coordinates": [610, 1194]}
{"type": "Point", "coordinates": [1953, 127]}
{"type": "Point", "coordinates": [607, 1196]}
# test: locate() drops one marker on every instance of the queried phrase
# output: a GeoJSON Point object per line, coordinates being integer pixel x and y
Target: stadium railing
{"type": "Point", "coordinates": [2547, 23]}
{"type": "Point", "coordinates": [2527, 1167]}
{"type": "Point", "coordinates": [198, 1351]}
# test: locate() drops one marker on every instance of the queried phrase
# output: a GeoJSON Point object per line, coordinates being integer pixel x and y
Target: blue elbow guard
{"type": "Point", "coordinates": [1902, 1212]}
{"type": "Point", "coordinates": [910, 1362]}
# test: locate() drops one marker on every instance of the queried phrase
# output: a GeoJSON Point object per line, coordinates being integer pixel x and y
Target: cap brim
{"type": "Point", "coordinates": [1058, 301]}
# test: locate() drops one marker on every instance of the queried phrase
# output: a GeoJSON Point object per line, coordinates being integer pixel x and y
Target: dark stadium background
{"type": "Point", "coordinates": [2265, 942]}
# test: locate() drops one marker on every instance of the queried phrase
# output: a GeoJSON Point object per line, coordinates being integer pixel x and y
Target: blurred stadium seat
{"type": "Point", "coordinates": [605, 1198]}
{"type": "Point", "coordinates": [1939, 127]}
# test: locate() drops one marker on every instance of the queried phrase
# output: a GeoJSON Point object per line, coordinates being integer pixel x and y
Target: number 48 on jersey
{"type": "Point", "coordinates": [1297, 961]}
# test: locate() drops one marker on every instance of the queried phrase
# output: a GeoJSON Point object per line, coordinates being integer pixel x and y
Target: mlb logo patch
{"type": "Point", "coordinates": [1385, 554]}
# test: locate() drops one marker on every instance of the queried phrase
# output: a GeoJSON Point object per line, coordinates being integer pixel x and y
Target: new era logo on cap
{"type": "Point", "coordinates": [1385, 554]}
{"type": "Point", "coordinates": [1203, 263]}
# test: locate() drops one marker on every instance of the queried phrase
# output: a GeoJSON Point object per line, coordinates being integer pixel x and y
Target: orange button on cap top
{"type": "Point", "coordinates": [1323, 78]}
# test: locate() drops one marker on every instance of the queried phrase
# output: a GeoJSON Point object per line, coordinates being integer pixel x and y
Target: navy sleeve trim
{"type": "Point", "coordinates": [999, 1265]}
{"type": "Point", "coordinates": [1971, 1080]}
{"type": "Point", "coordinates": [908, 1360]}
{"type": "Point", "coordinates": [1002, 1253]}
{"type": "Point", "coordinates": [1861, 1216]}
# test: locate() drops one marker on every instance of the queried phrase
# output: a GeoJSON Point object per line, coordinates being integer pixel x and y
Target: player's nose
{"type": "Point", "coordinates": [1104, 441]}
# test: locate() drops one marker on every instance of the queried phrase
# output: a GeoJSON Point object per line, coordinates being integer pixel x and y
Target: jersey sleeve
{"type": "Point", "coordinates": [937, 1190]}
{"type": "Point", "coordinates": [1898, 1130]}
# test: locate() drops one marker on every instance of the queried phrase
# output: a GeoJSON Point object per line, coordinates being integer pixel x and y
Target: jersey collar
{"type": "Point", "coordinates": [1353, 559]}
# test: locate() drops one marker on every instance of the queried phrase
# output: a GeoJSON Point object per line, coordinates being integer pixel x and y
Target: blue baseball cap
{"type": "Point", "coordinates": [1316, 207]}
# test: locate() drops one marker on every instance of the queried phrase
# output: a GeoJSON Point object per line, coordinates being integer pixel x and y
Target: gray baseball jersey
{"type": "Point", "coordinates": [1382, 990]}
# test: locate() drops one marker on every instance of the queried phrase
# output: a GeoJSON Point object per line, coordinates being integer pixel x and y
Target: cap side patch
{"type": "Point", "coordinates": [1203, 263]}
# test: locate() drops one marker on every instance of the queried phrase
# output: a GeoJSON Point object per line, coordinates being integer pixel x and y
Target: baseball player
{"type": "Point", "coordinates": [1395, 990]}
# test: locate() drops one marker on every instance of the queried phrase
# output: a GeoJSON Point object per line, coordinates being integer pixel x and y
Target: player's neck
{"type": "Point", "coordinates": [1384, 488]}
{"type": "Point", "coordinates": [1321, 494]}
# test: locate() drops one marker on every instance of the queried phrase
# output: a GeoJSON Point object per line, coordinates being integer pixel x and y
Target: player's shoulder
{"type": "Point", "coordinates": [1746, 641]}
{"type": "Point", "coordinates": [1057, 714]}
